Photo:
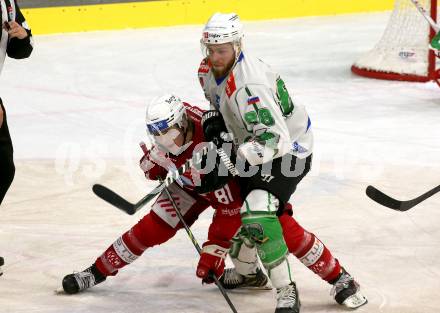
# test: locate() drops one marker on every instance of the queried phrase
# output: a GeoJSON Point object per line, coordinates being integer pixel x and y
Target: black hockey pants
{"type": "Point", "coordinates": [7, 168]}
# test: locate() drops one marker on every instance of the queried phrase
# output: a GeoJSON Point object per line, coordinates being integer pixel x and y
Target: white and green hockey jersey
{"type": "Point", "coordinates": [258, 111]}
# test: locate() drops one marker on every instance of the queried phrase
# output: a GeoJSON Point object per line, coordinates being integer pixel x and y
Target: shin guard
{"type": "Point", "coordinates": [148, 232]}
{"type": "Point", "coordinates": [309, 249]}
{"type": "Point", "coordinates": [244, 256]}
{"type": "Point", "coordinates": [119, 254]}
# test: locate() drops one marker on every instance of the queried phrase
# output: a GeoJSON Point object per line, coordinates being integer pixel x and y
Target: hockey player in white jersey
{"type": "Point", "coordinates": [273, 136]}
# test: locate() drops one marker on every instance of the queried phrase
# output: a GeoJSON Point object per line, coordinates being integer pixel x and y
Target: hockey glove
{"type": "Point", "coordinates": [213, 127]}
{"type": "Point", "coordinates": [154, 162]}
{"type": "Point", "coordinates": [212, 260]}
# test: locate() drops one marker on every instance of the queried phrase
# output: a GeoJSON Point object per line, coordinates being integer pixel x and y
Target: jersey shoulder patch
{"type": "Point", "coordinates": [204, 67]}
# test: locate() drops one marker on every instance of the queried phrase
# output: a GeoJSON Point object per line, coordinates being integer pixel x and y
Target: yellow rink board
{"type": "Point", "coordinates": [168, 13]}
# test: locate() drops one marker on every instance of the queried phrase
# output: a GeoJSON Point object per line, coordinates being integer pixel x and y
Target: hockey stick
{"type": "Point", "coordinates": [426, 15]}
{"type": "Point", "coordinates": [397, 205]}
{"type": "Point", "coordinates": [116, 200]}
{"type": "Point", "coordinates": [197, 246]}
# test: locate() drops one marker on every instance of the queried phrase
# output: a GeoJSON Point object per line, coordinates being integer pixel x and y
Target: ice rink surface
{"type": "Point", "coordinates": [76, 112]}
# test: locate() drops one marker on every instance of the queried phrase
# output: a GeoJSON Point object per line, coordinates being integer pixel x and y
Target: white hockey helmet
{"type": "Point", "coordinates": [162, 115]}
{"type": "Point", "coordinates": [222, 28]}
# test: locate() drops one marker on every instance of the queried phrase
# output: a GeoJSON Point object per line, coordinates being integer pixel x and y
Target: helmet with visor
{"type": "Point", "coordinates": [166, 123]}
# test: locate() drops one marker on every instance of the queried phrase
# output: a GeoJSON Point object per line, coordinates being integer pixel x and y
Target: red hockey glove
{"type": "Point", "coordinates": [145, 162]}
{"type": "Point", "coordinates": [153, 162]}
{"type": "Point", "coordinates": [212, 260]}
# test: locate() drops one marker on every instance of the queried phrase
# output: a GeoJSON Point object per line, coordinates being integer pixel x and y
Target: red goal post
{"type": "Point", "coordinates": [403, 51]}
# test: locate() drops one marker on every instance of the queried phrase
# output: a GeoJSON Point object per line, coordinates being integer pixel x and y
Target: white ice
{"type": "Point", "coordinates": [76, 111]}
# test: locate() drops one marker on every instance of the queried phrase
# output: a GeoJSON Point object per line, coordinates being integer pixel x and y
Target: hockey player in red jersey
{"type": "Point", "coordinates": [175, 129]}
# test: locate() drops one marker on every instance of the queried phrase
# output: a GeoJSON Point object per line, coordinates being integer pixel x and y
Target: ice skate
{"type": "Point", "coordinates": [288, 299]}
{"type": "Point", "coordinates": [231, 280]}
{"type": "Point", "coordinates": [346, 291]}
{"type": "Point", "coordinates": [76, 282]}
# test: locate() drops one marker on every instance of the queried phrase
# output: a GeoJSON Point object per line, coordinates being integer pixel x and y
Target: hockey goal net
{"type": "Point", "coordinates": [403, 51]}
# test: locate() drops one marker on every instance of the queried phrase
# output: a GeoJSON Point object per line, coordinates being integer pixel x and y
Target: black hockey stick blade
{"type": "Point", "coordinates": [385, 200]}
{"type": "Point", "coordinates": [114, 199]}
{"type": "Point", "coordinates": [381, 198]}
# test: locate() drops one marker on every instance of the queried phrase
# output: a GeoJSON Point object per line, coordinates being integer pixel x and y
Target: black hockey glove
{"type": "Point", "coordinates": [215, 131]}
{"type": "Point", "coordinates": [213, 127]}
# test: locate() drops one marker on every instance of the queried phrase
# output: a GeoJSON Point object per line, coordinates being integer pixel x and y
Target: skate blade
{"type": "Point", "coordinates": [263, 288]}
{"type": "Point", "coordinates": [268, 286]}
{"type": "Point", "coordinates": [355, 301]}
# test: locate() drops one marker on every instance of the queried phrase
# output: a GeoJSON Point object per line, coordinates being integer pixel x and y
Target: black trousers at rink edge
{"type": "Point", "coordinates": [7, 168]}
